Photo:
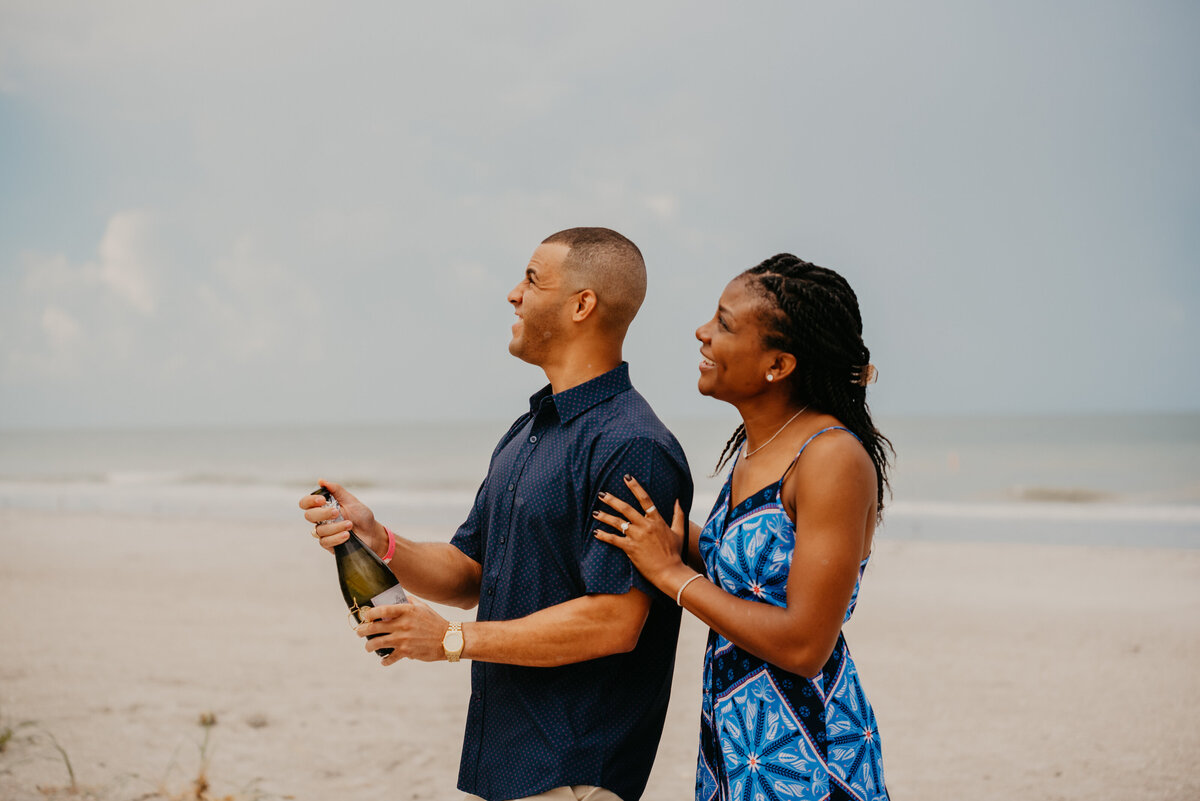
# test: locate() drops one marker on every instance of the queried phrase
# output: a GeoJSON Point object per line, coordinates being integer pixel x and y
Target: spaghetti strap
{"type": "Point", "coordinates": [810, 439]}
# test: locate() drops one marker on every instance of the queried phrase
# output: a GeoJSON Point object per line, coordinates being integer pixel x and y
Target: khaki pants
{"type": "Point", "coordinates": [579, 792]}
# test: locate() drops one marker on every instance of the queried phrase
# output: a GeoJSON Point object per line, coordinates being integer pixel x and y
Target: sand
{"type": "Point", "coordinates": [996, 671]}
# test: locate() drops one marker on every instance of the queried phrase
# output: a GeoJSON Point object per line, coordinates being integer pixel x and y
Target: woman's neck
{"type": "Point", "coordinates": [767, 418]}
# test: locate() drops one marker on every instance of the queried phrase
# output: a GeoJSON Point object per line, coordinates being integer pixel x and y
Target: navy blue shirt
{"type": "Point", "coordinates": [598, 722]}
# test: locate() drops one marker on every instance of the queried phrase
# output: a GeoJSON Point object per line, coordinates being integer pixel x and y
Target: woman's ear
{"type": "Point", "coordinates": [783, 365]}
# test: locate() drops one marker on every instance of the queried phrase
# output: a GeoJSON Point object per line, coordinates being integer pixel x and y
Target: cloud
{"type": "Point", "coordinates": [124, 270]}
{"type": "Point", "coordinates": [135, 314]}
{"type": "Point", "coordinates": [370, 193]}
{"type": "Point", "coordinates": [65, 318]}
{"type": "Point", "coordinates": [125, 266]}
{"type": "Point", "coordinates": [62, 330]}
{"type": "Point", "coordinates": [664, 206]}
{"type": "Point", "coordinates": [254, 309]}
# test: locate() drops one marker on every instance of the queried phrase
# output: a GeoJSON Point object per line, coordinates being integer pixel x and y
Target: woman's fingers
{"type": "Point", "coordinates": [611, 539]}
{"type": "Point", "coordinates": [678, 521]}
{"type": "Point", "coordinates": [620, 505]}
{"type": "Point", "coordinates": [642, 496]}
{"type": "Point", "coordinates": [612, 520]}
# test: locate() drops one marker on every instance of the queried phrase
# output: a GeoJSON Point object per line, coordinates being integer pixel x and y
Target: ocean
{"type": "Point", "coordinates": [1124, 480]}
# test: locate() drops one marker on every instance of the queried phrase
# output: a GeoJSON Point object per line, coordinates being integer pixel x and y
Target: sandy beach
{"type": "Point", "coordinates": [996, 671]}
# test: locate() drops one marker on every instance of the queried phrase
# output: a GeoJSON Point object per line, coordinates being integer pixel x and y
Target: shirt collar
{"type": "Point", "coordinates": [570, 403]}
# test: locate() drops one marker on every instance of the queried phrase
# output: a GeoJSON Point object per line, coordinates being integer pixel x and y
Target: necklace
{"type": "Point", "coordinates": [748, 454]}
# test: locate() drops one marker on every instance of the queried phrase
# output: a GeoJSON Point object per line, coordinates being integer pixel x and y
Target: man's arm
{"type": "Point", "coordinates": [608, 619]}
{"type": "Point", "coordinates": [438, 571]}
{"type": "Point", "coordinates": [573, 631]}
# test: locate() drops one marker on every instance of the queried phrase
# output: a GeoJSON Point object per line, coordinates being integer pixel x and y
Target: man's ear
{"type": "Point", "coordinates": [585, 306]}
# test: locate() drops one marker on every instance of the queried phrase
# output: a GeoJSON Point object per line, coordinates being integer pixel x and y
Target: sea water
{"type": "Point", "coordinates": [1112, 480]}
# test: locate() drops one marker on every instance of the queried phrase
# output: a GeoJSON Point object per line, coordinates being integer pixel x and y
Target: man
{"type": "Point", "coordinates": [572, 649]}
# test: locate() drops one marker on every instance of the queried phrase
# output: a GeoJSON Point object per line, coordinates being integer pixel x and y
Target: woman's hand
{"type": "Point", "coordinates": [649, 542]}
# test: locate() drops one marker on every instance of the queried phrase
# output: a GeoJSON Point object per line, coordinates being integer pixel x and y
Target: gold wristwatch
{"type": "Point", "coordinates": [453, 642]}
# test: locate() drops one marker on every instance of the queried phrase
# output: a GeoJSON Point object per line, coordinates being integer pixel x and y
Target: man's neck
{"type": "Point", "coordinates": [579, 367]}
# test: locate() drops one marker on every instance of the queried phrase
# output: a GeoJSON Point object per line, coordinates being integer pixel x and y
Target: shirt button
{"type": "Point", "coordinates": [533, 438]}
{"type": "Point", "coordinates": [491, 590]}
{"type": "Point", "coordinates": [502, 539]}
{"type": "Point", "coordinates": [512, 487]}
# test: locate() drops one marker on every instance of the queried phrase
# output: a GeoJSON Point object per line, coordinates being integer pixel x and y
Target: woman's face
{"type": "Point", "coordinates": [735, 361]}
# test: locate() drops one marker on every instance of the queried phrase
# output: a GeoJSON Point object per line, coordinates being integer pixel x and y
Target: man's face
{"type": "Point", "coordinates": [542, 303]}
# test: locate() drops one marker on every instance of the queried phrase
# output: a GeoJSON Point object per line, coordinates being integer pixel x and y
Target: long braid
{"type": "Point", "coordinates": [813, 313]}
{"type": "Point", "coordinates": [735, 442]}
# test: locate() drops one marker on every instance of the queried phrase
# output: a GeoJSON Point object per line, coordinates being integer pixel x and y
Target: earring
{"type": "Point", "coordinates": [770, 377]}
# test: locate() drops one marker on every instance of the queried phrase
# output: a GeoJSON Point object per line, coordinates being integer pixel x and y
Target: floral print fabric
{"type": "Point", "coordinates": [767, 734]}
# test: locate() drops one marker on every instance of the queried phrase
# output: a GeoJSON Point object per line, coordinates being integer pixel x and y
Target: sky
{"type": "Point", "coordinates": [264, 212]}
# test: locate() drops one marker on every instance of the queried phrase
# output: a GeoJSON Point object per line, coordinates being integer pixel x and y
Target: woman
{"type": "Point", "coordinates": [783, 714]}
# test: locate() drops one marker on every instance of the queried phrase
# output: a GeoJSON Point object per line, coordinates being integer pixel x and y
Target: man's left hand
{"type": "Point", "coordinates": [412, 630]}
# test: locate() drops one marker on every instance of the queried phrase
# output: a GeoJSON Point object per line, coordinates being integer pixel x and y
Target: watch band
{"type": "Point", "coordinates": [453, 643]}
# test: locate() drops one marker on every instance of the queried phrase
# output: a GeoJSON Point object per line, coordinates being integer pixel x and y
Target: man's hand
{"type": "Point", "coordinates": [357, 517]}
{"type": "Point", "coordinates": [413, 630]}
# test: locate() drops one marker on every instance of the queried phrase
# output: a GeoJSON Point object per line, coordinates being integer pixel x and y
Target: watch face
{"type": "Point", "coordinates": [453, 641]}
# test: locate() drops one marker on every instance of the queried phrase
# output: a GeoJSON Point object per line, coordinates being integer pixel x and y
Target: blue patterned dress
{"type": "Point", "coordinates": [767, 734]}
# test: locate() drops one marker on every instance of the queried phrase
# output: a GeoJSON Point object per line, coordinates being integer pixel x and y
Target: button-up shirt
{"type": "Point", "coordinates": [595, 722]}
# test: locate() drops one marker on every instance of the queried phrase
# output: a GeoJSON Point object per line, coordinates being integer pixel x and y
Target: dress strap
{"type": "Point", "coordinates": [810, 439]}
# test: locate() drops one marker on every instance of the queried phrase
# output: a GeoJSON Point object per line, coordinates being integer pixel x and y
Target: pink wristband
{"type": "Point", "coordinates": [391, 551]}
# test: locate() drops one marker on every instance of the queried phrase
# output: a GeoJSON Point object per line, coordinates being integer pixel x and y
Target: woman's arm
{"type": "Point", "coordinates": [693, 546]}
{"type": "Point", "coordinates": [833, 495]}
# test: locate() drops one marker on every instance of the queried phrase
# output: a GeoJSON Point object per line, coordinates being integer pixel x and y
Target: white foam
{"type": "Point", "coordinates": [1049, 511]}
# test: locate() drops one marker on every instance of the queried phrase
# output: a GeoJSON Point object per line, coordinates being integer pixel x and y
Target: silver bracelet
{"type": "Point", "coordinates": [682, 587]}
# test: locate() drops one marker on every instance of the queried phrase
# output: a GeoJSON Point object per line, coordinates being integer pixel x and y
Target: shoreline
{"type": "Point", "coordinates": [996, 670]}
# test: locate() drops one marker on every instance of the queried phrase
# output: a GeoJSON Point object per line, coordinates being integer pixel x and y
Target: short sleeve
{"type": "Point", "coordinates": [603, 567]}
{"type": "Point", "coordinates": [469, 537]}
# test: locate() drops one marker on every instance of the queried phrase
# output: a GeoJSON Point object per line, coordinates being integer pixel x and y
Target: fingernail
{"type": "Point", "coordinates": [596, 513]}
{"type": "Point", "coordinates": [603, 495]}
{"type": "Point", "coordinates": [628, 477]}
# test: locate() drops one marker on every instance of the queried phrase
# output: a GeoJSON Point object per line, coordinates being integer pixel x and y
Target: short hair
{"type": "Point", "coordinates": [610, 265]}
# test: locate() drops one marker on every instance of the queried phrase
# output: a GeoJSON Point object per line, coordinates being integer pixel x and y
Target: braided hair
{"type": "Point", "coordinates": [812, 313]}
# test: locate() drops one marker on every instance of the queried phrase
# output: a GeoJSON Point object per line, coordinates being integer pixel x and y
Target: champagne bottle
{"type": "Point", "coordinates": [365, 580]}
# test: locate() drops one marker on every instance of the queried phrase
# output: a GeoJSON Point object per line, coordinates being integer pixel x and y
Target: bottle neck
{"type": "Point", "coordinates": [350, 545]}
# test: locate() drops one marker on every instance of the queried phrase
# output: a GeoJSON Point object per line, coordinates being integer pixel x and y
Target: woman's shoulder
{"type": "Point", "coordinates": [832, 459]}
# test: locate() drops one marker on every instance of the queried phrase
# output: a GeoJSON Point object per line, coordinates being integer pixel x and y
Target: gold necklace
{"type": "Point", "coordinates": [748, 454]}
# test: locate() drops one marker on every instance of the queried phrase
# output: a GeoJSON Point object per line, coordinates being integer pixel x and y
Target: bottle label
{"type": "Point", "coordinates": [392, 595]}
